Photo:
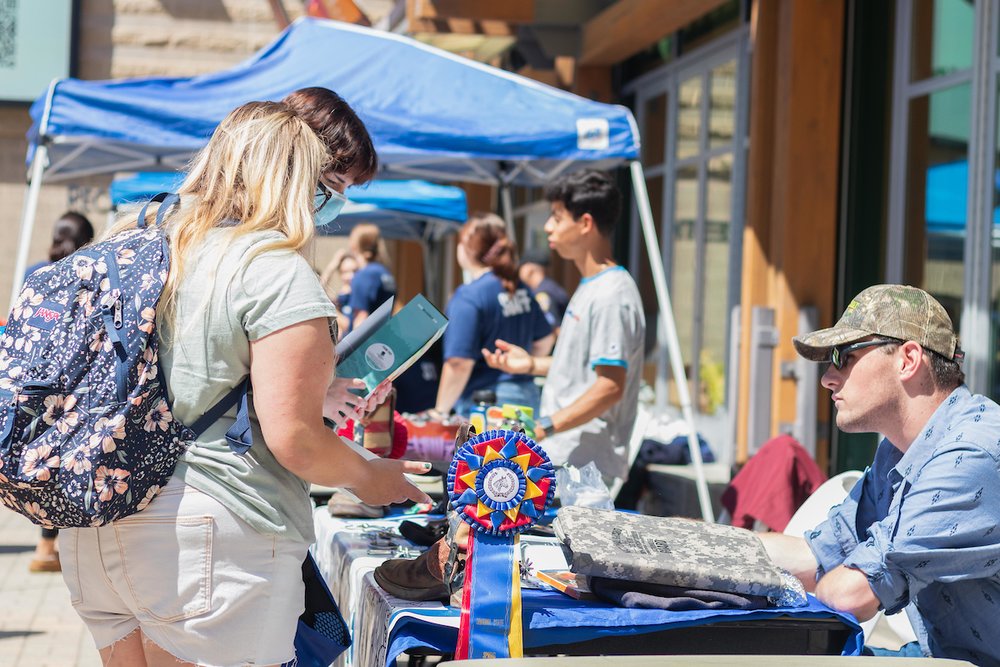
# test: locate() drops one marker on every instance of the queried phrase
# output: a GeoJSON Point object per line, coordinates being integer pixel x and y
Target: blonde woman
{"type": "Point", "coordinates": [210, 572]}
{"type": "Point", "coordinates": [372, 283]}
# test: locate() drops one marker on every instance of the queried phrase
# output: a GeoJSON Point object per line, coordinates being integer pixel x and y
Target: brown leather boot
{"type": "Point", "coordinates": [414, 578]}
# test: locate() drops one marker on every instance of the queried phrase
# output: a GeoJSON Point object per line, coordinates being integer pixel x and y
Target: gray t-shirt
{"type": "Point", "coordinates": [227, 299]}
{"type": "Point", "coordinates": [604, 325]}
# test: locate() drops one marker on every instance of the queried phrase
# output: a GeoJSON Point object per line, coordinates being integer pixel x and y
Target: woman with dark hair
{"type": "Point", "coordinates": [493, 304]}
{"type": "Point", "coordinates": [70, 232]}
{"type": "Point", "coordinates": [351, 160]}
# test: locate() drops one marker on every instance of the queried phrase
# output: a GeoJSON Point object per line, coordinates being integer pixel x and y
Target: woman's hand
{"type": "Point", "coordinates": [385, 483]}
{"type": "Point", "coordinates": [340, 404]}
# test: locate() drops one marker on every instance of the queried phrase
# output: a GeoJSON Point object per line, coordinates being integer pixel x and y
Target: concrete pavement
{"type": "Point", "coordinates": [38, 626]}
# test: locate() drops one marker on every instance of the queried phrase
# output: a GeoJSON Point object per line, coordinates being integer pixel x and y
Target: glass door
{"type": "Point", "coordinates": [691, 114]}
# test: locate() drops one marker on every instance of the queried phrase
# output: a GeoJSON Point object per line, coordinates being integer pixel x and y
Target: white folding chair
{"type": "Point", "coordinates": [883, 631]}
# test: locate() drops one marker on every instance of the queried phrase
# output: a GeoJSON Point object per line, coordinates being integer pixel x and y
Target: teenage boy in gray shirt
{"type": "Point", "coordinates": [592, 388]}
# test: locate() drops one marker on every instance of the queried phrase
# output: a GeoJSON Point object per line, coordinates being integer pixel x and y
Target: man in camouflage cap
{"type": "Point", "coordinates": [919, 531]}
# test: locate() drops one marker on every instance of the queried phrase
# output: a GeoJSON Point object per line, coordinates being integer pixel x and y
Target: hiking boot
{"type": "Point", "coordinates": [414, 579]}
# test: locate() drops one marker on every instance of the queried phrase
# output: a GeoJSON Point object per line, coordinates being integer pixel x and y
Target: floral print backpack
{"type": "Point", "coordinates": [86, 431]}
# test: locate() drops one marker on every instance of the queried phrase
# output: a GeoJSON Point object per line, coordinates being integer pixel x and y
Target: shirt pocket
{"type": "Point", "coordinates": [167, 564]}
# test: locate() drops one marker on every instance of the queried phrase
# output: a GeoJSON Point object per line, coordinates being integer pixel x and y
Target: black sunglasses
{"type": "Point", "coordinates": [322, 190]}
{"type": "Point", "coordinates": [841, 354]}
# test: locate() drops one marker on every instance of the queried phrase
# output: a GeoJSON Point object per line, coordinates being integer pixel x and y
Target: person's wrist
{"type": "Point", "coordinates": [546, 426]}
{"type": "Point", "coordinates": [531, 365]}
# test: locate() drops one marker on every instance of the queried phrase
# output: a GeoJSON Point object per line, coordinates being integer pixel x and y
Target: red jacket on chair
{"type": "Point", "coordinates": [772, 484]}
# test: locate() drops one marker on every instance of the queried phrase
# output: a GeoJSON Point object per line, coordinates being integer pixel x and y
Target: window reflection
{"type": "Point", "coordinates": [721, 113]}
{"type": "Point", "coordinates": [715, 301]}
{"type": "Point", "coordinates": [937, 183]}
{"type": "Point", "coordinates": [684, 262]}
{"type": "Point", "coordinates": [688, 117]}
{"type": "Point", "coordinates": [942, 37]}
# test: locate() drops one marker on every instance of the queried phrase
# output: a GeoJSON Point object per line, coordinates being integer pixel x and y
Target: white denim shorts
{"type": "Point", "coordinates": [201, 583]}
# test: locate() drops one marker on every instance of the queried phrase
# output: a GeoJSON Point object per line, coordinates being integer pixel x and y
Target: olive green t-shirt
{"type": "Point", "coordinates": [227, 298]}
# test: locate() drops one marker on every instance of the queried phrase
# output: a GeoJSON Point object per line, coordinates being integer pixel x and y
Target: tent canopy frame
{"type": "Point", "coordinates": [448, 164]}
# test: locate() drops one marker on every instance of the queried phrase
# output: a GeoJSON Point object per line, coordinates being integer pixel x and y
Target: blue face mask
{"type": "Point", "coordinates": [328, 205]}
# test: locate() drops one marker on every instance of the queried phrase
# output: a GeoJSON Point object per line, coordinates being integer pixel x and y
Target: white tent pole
{"type": "Point", "coordinates": [673, 344]}
{"type": "Point", "coordinates": [507, 206]}
{"type": "Point", "coordinates": [28, 219]}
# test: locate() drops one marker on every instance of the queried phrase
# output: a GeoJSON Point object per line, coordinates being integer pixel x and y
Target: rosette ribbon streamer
{"type": "Point", "coordinates": [500, 483]}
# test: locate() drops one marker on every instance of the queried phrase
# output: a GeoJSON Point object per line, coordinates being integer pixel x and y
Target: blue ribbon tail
{"type": "Point", "coordinates": [490, 604]}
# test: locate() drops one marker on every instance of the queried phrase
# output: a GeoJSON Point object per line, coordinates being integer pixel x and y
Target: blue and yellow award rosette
{"type": "Point", "coordinates": [500, 483]}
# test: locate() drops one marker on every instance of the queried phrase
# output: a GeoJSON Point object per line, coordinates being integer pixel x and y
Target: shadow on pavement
{"type": "Point", "coordinates": [15, 548]}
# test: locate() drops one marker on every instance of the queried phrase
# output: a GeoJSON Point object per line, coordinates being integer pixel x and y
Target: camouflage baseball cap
{"type": "Point", "coordinates": [896, 311]}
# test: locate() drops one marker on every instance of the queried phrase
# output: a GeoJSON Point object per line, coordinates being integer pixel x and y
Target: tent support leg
{"type": "Point", "coordinates": [507, 207]}
{"type": "Point", "coordinates": [38, 162]}
{"type": "Point", "coordinates": [673, 344]}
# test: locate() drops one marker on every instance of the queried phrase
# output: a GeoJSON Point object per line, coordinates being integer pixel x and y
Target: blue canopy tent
{"type": "Point", "coordinates": [946, 199]}
{"type": "Point", "coordinates": [409, 210]}
{"type": "Point", "coordinates": [431, 114]}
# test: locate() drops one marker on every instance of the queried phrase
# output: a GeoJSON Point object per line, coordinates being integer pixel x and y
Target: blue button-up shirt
{"type": "Point", "coordinates": [923, 527]}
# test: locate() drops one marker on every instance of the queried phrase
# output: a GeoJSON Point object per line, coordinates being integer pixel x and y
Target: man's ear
{"type": "Point", "coordinates": [587, 222]}
{"type": "Point", "coordinates": [911, 359]}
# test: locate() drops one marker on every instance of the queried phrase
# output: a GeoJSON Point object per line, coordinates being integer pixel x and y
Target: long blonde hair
{"type": "Point", "coordinates": [258, 172]}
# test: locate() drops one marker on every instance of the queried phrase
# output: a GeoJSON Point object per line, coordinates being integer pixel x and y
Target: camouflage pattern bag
{"type": "Point", "coordinates": [669, 551]}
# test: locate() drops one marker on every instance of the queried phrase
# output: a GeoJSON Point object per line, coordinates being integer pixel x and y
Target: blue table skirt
{"type": "Point", "coordinates": [553, 618]}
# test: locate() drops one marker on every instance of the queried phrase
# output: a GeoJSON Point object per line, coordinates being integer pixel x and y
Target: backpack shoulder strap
{"type": "Point", "coordinates": [167, 200]}
{"type": "Point", "coordinates": [240, 435]}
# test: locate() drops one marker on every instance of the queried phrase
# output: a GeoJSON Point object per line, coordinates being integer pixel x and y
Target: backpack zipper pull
{"type": "Point", "coordinates": [118, 312]}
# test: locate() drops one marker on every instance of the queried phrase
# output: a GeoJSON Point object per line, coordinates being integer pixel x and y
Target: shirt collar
{"type": "Point", "coordinates": [934, 430]}
{"type": "Point", "coordinates": [617, 267]}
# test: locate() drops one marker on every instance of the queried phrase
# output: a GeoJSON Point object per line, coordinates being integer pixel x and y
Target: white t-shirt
{"type": "Point", "coordinates": [604, 325]}
{"type": "Point", "coordinates": [226, 300]}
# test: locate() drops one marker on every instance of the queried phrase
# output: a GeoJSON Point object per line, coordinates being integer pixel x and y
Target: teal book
{"type": "Point", "coordinates": [382, 352]}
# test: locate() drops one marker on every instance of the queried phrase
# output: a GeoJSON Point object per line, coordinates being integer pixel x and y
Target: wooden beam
{"type": "Point", "coordinates": [629, 26]}
{"type": "Point", "coordinates": [510, 11]}
{"type": "Point", "coordinates": [594, 83]}
{"type": "Point", "coordinates": [461, 27]}
{"type": "Point", "coordinates": [339, 10]}
{"type": "Point", "coordinates": [547, 76]}
{"type": "Point", "coordinates": [792, 188]}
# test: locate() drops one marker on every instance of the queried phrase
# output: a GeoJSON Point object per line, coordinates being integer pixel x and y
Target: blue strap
{"type": "Point", "coordinates": [8, 428]}
{"type": "Point", "coordinates": [170, 201]}
{"type": "Point", "coordinates": [167, 200]}
{"type": "Point", "coordinates": [239, 436]}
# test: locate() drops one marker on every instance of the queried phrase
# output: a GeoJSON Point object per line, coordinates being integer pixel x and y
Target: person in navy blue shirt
{"type": "Point", "coordinates": [548, 293]}
{"type": "Point", "coordinates": [493, 304]}
{"type": "Point", "coordinates": [373, 283]}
